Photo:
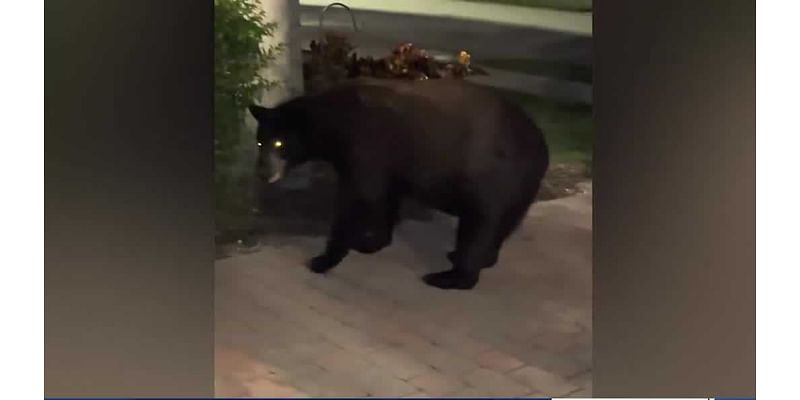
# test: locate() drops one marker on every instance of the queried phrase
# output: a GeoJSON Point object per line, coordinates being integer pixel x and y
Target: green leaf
{"type": "Point", "coordinates": [240, 28]}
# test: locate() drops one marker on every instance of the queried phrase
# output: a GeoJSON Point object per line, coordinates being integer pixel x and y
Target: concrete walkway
{"type": "Point", "coordinates": [372, 328]}
{"type": "Point", "coordinates": [553, 20]}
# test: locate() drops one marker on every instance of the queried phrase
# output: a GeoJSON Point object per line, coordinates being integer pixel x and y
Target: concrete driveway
{"type": "Point", "coordinates": [372, 328]}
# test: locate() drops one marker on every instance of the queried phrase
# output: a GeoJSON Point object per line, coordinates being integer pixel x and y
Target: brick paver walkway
{"type": "Point", "coordinates": [372, 328]}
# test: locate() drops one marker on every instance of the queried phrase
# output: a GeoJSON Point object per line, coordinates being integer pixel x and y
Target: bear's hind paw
{"type": "Point", "coordinates": [452, 279]}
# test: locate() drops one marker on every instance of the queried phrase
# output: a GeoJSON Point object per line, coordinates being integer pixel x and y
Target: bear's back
{"type": "Point", "coordinates": [445, 108]}
{"type": "Point", "coordinates": [427, 128]}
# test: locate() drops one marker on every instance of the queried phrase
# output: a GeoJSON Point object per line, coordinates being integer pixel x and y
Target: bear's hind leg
{"type": "Point", "coordinates": [476, 248]}
{"type": "Point", "coordinates": [511, 218]}
{"type": "Point", "coordinates": [335, 251]}
{"type": "Point", "coordinates": [500, 231]}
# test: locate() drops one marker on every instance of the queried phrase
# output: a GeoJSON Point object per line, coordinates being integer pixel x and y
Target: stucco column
{"type": "Point", "coordinates": [287, 68]}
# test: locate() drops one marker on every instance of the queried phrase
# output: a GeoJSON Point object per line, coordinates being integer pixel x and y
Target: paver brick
{"type": "Point", "coordinates": [584, 382]}
{"type": "Point", "coordinates": [498, 361]}
{"type": "Point", "coordinates": [494, 383]}
{"type": "Point", "coordinates": [269, 388]}
{"type": "Point", "coordinates": [381, 383]}
{"type": "Point", "coordinates": [404, 339]}
{"type": "Point", "coordinates": [543, 381]}
{"type": "Point", "coordinates": [469, 392]}
{"type": "Point", "coordinates": [557, 363]}
{"type": "Point", "coordinates": [436, 384]}
{"type": "Point", "coordinates": [401, 365]}
{"type": "Point", "coordinates": [323, 383]}
{"type": "Point", "coordinates": [581, 394]}
{"type": "Point", "coordinates": [352, 339]}
{"type": "Point", "coordinates": [229, 387]}
{"type": "Point", "coordinates": [343, 362]}
{"type": "Point", "coordinates": [449, 363]}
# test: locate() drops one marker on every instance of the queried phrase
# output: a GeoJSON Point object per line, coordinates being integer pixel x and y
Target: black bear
{"type": "Point", "coordinates": [452, 145]}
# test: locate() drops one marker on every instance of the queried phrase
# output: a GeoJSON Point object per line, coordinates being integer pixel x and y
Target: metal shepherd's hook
{"type": "Point", "coordinates": [329, 6]}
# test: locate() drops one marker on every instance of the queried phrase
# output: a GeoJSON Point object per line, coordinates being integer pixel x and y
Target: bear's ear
{"type": "Point", "coordinates": [260, 113]}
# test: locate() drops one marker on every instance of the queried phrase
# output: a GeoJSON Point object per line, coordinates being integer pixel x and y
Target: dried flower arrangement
{"type": "Point", "coordinates": [334, 59]}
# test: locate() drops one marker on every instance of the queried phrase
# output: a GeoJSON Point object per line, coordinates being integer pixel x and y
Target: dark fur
{"type": "Point", "coordinates": [452, 145]}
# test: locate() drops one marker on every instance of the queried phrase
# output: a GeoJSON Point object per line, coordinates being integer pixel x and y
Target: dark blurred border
{"type": "Point", "coordinates": [674, 225]}
{"type": "Point", "coordinates": [128, 177]}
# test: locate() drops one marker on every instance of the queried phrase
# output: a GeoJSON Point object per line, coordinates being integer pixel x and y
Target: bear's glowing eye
{"type": "Point", "coordinates": [259, 144]}
{"type": "Point", "coordinates": [278, 143]}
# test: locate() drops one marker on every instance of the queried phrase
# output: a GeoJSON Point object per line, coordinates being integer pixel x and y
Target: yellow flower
{"type": "Point", "coordinates": [463, 57]}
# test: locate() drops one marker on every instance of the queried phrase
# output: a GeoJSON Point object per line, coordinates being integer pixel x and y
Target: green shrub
{"type": "Point", "coordinates": [240, 28]}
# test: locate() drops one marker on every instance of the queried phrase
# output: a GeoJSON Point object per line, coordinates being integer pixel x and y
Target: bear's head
{"type": "Point", "coordinates": [279, 140]}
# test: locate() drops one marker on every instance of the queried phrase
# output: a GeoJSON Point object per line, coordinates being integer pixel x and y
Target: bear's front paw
{"type": "Point", "coordinates": [321, 264]}
{"type": "Point", "coordinates": [452, 279]}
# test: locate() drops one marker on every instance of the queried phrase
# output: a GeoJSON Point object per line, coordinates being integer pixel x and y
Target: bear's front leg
{"type": "Point", "coordinates": [333, 255]}
{"type": "Point", "coordinates": [364, 219]}
{"type": "Point", "coordinates": [339, 238]}
{"type": "Point", "coordinates": [335, 250]}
